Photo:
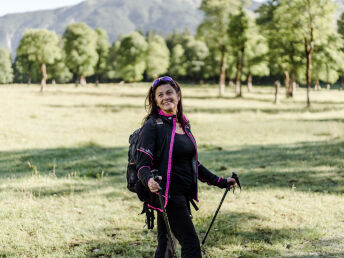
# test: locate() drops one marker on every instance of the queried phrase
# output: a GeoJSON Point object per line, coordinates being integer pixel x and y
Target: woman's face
{"type": "Point", "coordinates": [167, 99]}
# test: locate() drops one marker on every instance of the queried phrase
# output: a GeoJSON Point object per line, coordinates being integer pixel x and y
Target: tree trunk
{"type": "Point", "coordinates": [308, 49]}
{"type": "Point", "coordinates": [286, 83]}
{"type": "Point", "coordinates": [238, 74]}
{"type": "Point", "coordinates": [77, 81]}
{"type": "Point", "coordinates": [328, 86]}
{"type": "Point", "coordinates": [237, 82]}
{"type": "Point", "coordinates": [222, 72]}
{"type": "Point", "coordinates": [83, 80]}
{"type": "Point", "coordinates": [231, 83]}
{"type": "Point", "coordinates": [294, 87]}
{"type": "Point", "coordinates": [44, 76]}
{"type": "Point", "coordinates": [277, 89]}
{"type": "Point", "coordinates": [29, 75]}
{"type": "Point", "coordinates": [342, 81]}
{"type": "Point", "coordinates": [291, 85]}
{"type": "Point", "coordinates": [317, 85]}
{"type": "Point", "coordinates": [249, 82]}
{"type": "Point", "coordinates": [97, 80]}
{"type": "Point", "coordinates": [53, 82]}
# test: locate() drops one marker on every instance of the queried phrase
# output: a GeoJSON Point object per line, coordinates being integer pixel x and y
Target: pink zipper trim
{"type": "Point", "coordinates": [194, 142]}
{"type": "Point", "coordinates": [163, 114]}
{"type": "Point", "coordinates": [170, 160]}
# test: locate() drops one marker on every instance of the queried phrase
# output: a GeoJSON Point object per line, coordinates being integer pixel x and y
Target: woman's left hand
{"type": "Point", "coordinates": [231, 181]}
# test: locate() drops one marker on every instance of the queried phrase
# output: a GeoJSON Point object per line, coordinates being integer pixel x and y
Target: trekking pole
{"type": "Point", "coordinates": [235, 176]}
{"type": "Point", "coordinates": [164, 214]}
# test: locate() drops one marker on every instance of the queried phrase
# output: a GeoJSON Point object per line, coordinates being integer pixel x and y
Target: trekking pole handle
{"type": "Point", "coordinates": [236, 178]}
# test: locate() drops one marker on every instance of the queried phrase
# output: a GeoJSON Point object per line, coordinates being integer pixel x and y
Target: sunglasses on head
{"type": "Point", "coordinates": [163, 79]}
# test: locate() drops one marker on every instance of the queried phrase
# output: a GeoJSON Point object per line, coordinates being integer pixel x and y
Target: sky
{"type": "Point", "coordinates": [19, 6]}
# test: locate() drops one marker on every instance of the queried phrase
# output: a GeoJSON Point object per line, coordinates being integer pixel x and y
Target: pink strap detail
{"type": "Point", "coordinates": [146, 153]}
{"type": "Point", "coordinates": [142, 168]}
{"type": "Point", "coordinates": [150, 206]}
{"type": "Point", "coordinates": [219, 180]}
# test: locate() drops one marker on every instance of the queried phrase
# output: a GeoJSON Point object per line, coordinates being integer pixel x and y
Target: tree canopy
{"type": "Point", "coordinates": [80, 43]}
{"type": "Point", "coordinates": [6, 72]}
{"type": "Point", "coordinates": [129, 54]}
{"type": "Point", "coordinates": [158, 56]}
{"type": "Point", "coordinates": [40, 47]}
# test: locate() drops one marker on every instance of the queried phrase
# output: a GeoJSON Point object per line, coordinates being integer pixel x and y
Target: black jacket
{"type": "Point", "coordinates": [155, 150]}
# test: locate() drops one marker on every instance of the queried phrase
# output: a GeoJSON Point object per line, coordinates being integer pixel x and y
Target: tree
{"type": "Point", "coordinates": [112, 62]}
{"type": "Point", "coordinates": [237, 34]}
{"type": "Point", "coordinates": [285, 52]}
{"type": "Point", "coordinates": [102, 51]}
{"type": "Point", "coordinates": [188, 56]}
{"type": "Point", "coordinates": [158, 56]}
{"type": "Point", "coordinates": [25, 70]}
{"type": "Point", "coordinates": [6, 72]}
{"type": "Point", "coordinates": [328, 60]}
{"type": "Point", "coordinates": [256, 63]}
{"type": "Point", "coordinates": [213, 30]}
{"type": "Point", "coordinates": [196, 52]}
{"type": "Point", "coordinates": [59, 72]}
{"type": "Point", "coordinates": [80, 43]}
{"type": "Point", "coordinates": [178, 63]}
{"type": "Point", "coordinates": [311, 22]}
{"type": "Point", "coordinates": [340, 29]}
{"type": "Point", "coordinates": [128, 57]}
{"type": "Point", "coordinates": [41, 47]}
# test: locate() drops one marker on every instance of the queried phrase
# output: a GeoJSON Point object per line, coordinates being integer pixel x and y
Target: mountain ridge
{"type": "Point", "coordinates": [115, 16]}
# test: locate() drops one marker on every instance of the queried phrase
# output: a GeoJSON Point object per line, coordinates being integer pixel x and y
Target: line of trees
{"type": "Point", "coordinates": [296, 40]}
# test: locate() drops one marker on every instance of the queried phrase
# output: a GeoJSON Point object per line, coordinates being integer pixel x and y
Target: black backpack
{"type": "Point", "coordinates": [132, 160]}
{"type": "Point", "coordinates": [132, 178]}
{"type": "Point", "coordinates": [133, 183]}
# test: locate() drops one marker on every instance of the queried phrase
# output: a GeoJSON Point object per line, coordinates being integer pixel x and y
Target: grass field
{"type": "Point", "coordinates": [63, 159]}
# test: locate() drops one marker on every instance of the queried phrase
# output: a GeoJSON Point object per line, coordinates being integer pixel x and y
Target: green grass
{"type": "Point", "coordinates": [63, 158]}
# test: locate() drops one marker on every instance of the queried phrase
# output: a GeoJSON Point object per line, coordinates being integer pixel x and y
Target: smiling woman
{"type": "Point", "coordinates": [167, 99]}
{"type": "Point", "coordinates": [167, 145]}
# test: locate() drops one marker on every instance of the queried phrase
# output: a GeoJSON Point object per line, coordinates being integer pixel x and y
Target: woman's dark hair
{"type": "Point", "coordinates": [153, 109]}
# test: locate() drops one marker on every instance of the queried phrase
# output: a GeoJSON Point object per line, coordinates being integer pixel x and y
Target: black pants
{"type": "Point", "coordinates": [182, 228]}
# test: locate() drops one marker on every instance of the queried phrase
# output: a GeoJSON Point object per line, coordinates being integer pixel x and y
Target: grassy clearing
{"type": "Point", "coordinates": [63, 156]}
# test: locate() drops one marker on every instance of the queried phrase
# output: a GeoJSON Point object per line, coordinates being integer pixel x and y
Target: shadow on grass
{"type": "Point", "coordinates": [229, 228]}
{"type": "Point", "coordinates": [308, 166]}
{"type": "Point", "coordinates": [274, 110]}
{"type": "Point", "coordinates": [119, 242]}
{"type": "Point", "coordinates": [255, 239]}
{"type": "Point", "coordinates": [86, 162]}
{"type": "Point", "coordinates": [324, 120]}
{"type": "Point", "coordinates": [108, 107]}
{"type": "Point", "coordinates": [83, 93]}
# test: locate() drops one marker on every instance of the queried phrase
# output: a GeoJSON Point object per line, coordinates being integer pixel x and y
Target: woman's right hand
{"type": "Point", "coordinates": [153, 185]}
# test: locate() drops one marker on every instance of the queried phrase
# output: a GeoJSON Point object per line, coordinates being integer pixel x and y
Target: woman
{"type": "Point", "coordinates": [166, 144]}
